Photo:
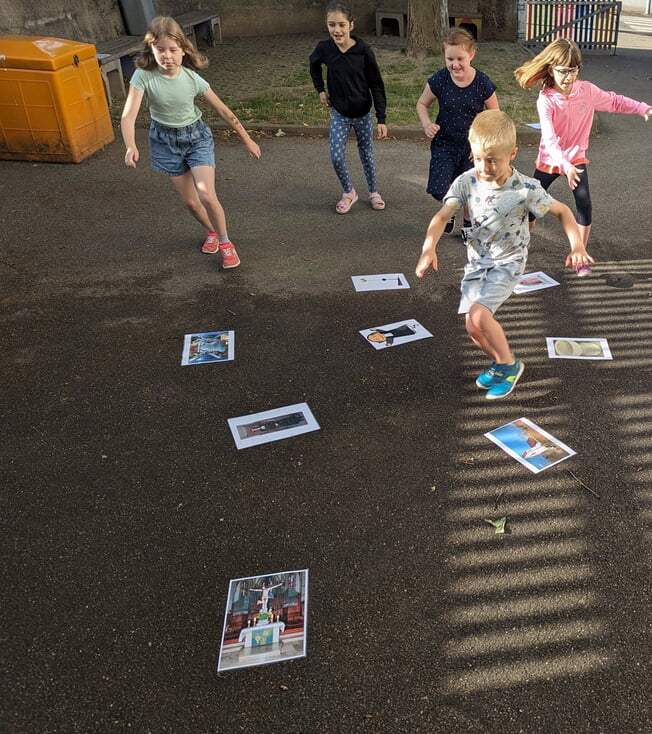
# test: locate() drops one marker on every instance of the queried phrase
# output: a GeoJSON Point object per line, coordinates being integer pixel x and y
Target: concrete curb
{"type": "Point", "coordinates": [525, 135]}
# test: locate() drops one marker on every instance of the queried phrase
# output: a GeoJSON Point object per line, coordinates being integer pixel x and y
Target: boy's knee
{"type": "Point", "coordinates": [477, 318]}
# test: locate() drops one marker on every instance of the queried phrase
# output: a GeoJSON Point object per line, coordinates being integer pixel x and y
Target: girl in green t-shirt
{"type": "Point", "coordinates": [181, 143]}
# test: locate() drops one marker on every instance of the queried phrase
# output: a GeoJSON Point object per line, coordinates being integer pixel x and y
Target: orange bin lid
{"type": "Point", "coordinates": [38, 52]}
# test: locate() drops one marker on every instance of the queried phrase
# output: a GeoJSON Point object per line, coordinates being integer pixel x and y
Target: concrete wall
{"type": "Point", "coordinates": [83, 20]}
{"type": "Point", "coordinates": [269, 17]}
{"type": "Point", "coordinates": [100, 20]}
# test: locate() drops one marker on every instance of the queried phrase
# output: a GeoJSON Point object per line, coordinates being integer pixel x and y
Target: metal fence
{"type": "Point", "coordinates": [592, 25]}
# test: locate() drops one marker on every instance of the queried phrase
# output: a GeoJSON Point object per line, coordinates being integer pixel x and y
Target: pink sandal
{"type": "Point", "coordinates": [346, 202]}
{"type": "Point", "coordinates": [377, 202]}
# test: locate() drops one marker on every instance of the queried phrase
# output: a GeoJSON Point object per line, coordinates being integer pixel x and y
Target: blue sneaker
{"type": "Point", "coordinates": [505, 378]}
{"type": "Point", "coordinates": [486, 379]}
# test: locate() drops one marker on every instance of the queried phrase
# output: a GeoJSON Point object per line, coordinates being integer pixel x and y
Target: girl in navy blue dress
{"type": "Point", "coordinates": [462, 92]}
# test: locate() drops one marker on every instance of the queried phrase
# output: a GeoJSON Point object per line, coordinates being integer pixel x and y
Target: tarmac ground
{"type": "Point", "coordinates": [127, 507]}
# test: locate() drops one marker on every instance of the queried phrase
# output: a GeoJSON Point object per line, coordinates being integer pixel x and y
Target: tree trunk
{"type": "Point", "coordinates": [427, 26]}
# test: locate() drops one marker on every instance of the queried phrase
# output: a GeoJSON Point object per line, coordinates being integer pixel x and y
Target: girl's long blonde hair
{"type": "Point", "coordinates": [562, 52]}
{"type": "Point", "coordinates": [162, 26]}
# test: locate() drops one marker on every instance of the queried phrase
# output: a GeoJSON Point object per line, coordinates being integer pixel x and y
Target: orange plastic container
{"type": "Point", "coordinates": [52, 101]}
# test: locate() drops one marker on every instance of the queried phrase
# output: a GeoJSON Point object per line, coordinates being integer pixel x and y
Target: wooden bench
{"type": "Point", "coordinates": [202, 24]}
{"type": "Point", "coordinates": [115, 63]}
{"type": "Point", "coordinates": [116, 56]}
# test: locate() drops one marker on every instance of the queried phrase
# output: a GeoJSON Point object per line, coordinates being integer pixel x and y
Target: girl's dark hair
{"type": "Point", "coordinates": [337, 7]}
{"type": "Point", "coordinates": [162, 26]}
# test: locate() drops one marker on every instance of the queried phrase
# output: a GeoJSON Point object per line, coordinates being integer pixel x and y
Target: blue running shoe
{"type": "Point", "coordinates": [486, 379]}
{"type": "Point", "coordinates": [505, 378]}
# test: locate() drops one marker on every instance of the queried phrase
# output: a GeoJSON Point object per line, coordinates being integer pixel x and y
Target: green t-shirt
{"type": "Point", "coordinates": [171, 101]}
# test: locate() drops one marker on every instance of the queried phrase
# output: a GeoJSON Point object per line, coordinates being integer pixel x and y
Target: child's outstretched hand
{"type": "Point", "coordinates": [573, 176]}
{"type": "Point", "coordinates": [428, 259]}
{"type": "Point", "coordinates": [131, 156]}
{"type": "Point", "coordinates": [648, 114]}
{"type": "Point", "coordinates": [253, 148]}
{"type": "Point", "coordinates": [578, 256]}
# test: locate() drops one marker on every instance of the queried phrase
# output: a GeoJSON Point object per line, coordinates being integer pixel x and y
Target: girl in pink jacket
{"type": "Point", "coordinates": [566, 105]}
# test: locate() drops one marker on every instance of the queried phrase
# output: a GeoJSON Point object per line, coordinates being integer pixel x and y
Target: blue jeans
{"type": "Point", "coordinates": [339, 135]}
{"type": "Point", "coordinates": [175, 150]}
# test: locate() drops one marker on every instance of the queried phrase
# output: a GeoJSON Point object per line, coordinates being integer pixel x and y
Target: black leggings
{"type": "Point", "coordinates": [580, 192]}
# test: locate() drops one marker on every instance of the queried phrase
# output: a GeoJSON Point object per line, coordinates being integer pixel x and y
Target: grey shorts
{"type": "Point", "coordinates": [175, 150]}
{"type": "Point", "coordinates": [489, 286]}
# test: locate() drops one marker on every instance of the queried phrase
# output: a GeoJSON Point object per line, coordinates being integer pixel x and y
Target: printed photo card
{"type": "Point", "coordinates": [213, 346]}
{"type": "Point", "coordinates": [401, 332]}
{"type": "Point", "coordinates": [530, 445]}
{"type": "Point", "coordinates": [265, 620]}
{"type": "Point", "coordinates": [272, 425]}
{"type": "Point", "coordinates": [577, 348]}
{"type": "Point", "coordinates": [383, 282]}
{"type": "Point", "coordinates": [534, 282]}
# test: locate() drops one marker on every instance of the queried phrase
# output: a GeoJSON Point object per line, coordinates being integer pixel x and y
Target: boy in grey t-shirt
{"type": "Point", "coordinates": [499, 200]}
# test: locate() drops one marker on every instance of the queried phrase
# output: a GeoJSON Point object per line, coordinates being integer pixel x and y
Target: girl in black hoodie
{"type": "Point", "coordinates": [354, 81]}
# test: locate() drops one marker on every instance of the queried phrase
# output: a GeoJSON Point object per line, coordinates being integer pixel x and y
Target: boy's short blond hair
{"type": "Point", "coordinates": [493, 129]}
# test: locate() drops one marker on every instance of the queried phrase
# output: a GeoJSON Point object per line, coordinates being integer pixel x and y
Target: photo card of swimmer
{"type": "Point", "coordinates": [530, 445]}
{"type": "Point", "coordinates": [534, 282]}
{"type": "Point", "coordinates": [382, 282]}
{"type": "Point", "coordinates": [400, 332]}
{"type": "Point", "coordinates": [212, 346]}
{"type": "Point", "coordinates": [577, 348]}
{"type": "Point", "coordinates": [272, 425]}
{"type": "Point", "coordinates": [265, 620]}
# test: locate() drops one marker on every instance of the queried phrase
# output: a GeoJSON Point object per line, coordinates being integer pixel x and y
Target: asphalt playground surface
{"type": "Point", "coordinates": [127, 507]}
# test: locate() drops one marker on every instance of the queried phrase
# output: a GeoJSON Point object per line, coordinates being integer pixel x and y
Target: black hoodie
{"type": "Point", "coordinates": [353, 78]}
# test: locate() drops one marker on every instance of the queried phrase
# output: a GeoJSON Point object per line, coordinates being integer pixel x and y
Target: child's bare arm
{"type": "Point", "coordinates": [229, 117]}
{"type": "Point", "coordinates": [491, 103]}
{"type": "Point", "coordinates": [423, 111]}
{"type": "Point", "coordinates": [128, 125]}
{"type": "Point", "coordinates": [578, 254]}
{"type": "Point", "coordinates": [429, 251]}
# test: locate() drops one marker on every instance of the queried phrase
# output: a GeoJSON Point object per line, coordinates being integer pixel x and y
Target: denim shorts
{"type": "Point", "coordinates": [175, 150]}
{"type": "Point", "coordinates": [489, 286]}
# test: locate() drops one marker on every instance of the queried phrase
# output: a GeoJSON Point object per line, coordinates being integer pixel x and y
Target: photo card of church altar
{"type": "Point", "coordinates": [265, 620]}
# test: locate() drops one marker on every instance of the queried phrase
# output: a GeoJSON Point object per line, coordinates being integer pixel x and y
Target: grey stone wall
{"type": "Point", "coordinates": [100, 20]}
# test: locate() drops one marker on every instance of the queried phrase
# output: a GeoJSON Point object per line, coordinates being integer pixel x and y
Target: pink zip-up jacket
{"type": "Point", "coordinates": [566, 122]}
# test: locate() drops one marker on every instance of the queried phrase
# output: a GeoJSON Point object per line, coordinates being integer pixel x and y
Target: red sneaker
{"type": "Point", "coordinates": [210, 246]}
{"type": "Point", "coordinates": [230, 257]}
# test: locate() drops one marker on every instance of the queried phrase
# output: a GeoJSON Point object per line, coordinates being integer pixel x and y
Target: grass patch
{"type": "Point", "coordinates": [268, 80]}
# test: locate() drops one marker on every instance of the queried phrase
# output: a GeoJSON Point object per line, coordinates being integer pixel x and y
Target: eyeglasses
{"type": "Point", "coordinates": [567, 72]}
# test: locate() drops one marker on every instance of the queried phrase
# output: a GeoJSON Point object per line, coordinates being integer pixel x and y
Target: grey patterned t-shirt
{"type": "Point", "coordinates": [499, 229]}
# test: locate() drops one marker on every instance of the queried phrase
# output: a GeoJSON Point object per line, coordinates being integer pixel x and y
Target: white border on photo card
{"type": "Point", "coordinates": [270, 638]}
{"type": "Point", "coordinates": [572, 347]}
{"type": "Point", "coordinates": [196, 348]}
{"type": "Point", "coordinates": [543, 281]}
{"type": "Point", "coordinates": [381, 282]}
{"type": "Point", "coordinates": [390, 335]}
{"type": "Point", "coordinates": [530, 445]}
{"type": "Point", "coordinates": [272, 425]}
